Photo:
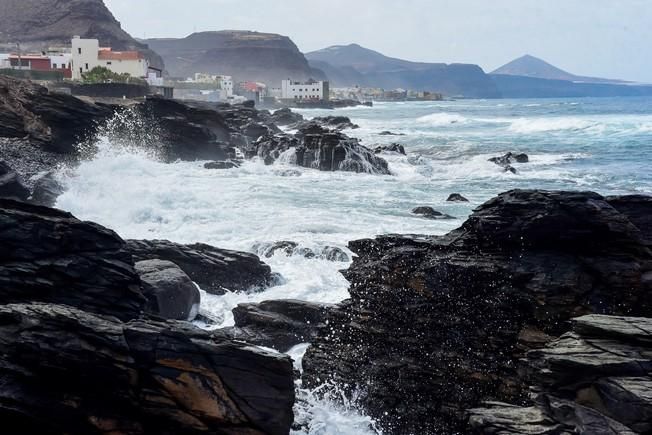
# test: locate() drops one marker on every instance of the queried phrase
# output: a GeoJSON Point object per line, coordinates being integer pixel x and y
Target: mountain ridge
{"type": "Point", "coordinates": [534, 67]}
{"type": "Point", "coordinates": [349, 65]}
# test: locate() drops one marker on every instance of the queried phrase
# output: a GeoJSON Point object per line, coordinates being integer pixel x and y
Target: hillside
{"type": "Point", "coordinates": [245, 55]}
{"type": "Point", "coordinates": [39, 24]}
{"type": "Point", "coordinates": [533, 67]}
{"type": "Point", "coordinates": [348, 65]}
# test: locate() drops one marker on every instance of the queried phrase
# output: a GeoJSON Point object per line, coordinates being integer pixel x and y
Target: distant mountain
{"type": "Point", "coordinates": [248, 56]}
{"type": "Point", "coordinates": [349, 65]}
{"type": "Point", "coordinates": [40, 24]}
{"type": "Point", "coordinates": [510, 86]}
{"type": "Point", "coordinates": [533, 67]}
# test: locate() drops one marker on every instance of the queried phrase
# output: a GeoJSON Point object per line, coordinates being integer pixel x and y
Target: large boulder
{"type": "Point", "coordinates": [170, 293]}
{"type": "Point", "coordinates": [326, 151]}
{"type": "Point", "coordinates": [595, 379]}
{"type": "Point", "coordinates": [280, 324]}
{"type": "Point", "coordinates": [215, 270]}
{"type": "Point", "coordinates": [46, 189]}
{"type": "Point", "coordinates": [435, 325]}
{"type": "Point", "coordinates": [64, 370]}
{"type": "Point", "coordinates": [638, 209]}
{"type": "Point", "coordinates": [11, 185]}
{"type": "Point", "coordinates": [50, 256]}
{"type": "Point", "coordinates": [329, 122]}
{"type": "Point", "coordinates": [285, 117]}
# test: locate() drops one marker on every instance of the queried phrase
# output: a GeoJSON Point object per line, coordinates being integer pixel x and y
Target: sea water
{"type": "Point", "coordinates": [601, 145]}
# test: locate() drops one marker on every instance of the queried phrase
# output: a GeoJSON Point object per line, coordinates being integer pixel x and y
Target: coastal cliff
{"type": "Point", "coordinates": [248, 56]}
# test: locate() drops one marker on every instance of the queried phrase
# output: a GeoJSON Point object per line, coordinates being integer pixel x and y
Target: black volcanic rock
{"type": "Point", "coordinates": [11, 185]}
{"type": "Point", "coordinates": [279, 324]}
{"type": "Point", "coordinates": [285, 117]}
{"type": "Point", "coordinates": [328, 122]}
{"type": "Point", "coordinates": [57, 122]}
{"type": "Point", "coordinates": [170, 293]}
{"type": "Point", "coordinates": [41, 24]}
{"type": "Point", "coordinates": [64, 370]}
{"type": "Point", "coordinates": [214, 270]}
{"type": "Point", "coordinates": [430, 213]}
{"type": "Point", "coordinates": [638, 209]}
{"type": "Point", "coordinates": [46, 190]}
{"type": "Point", "coordinates": [456, 197]}
{"type": "Point", "coordinates": [248, 56]}
{"type": "Point", "coordinates": [391, 148]}
{"type": "Point", "coordinates": [50, 256]}
{"type": "Point", "coordinates": [223, 164]}
{"type": "Point", "coordinates": [325, 150]}
{"type": "Point", "coordinates": [436, 325]}
{"type": "Point", "coordinates": [594, 379]}
{"type": "Point", "coordinates": [329, 253]}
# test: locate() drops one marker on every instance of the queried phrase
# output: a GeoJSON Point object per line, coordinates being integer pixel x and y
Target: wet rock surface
{"type": "Point", "coordinates": [65, 370]}
{"type": "Point", "coordinates": [326, 151]}
{"type": "Point", "coordinates": [329, 122]}
{"type": "Point", "coordinates": [430, 213]}
{"type": "Point", "coordinates": [392, 148]}
{"type": "Point", "coordinates": [50, 256]}
{"type": "Point", "coordinates": [11, 184]}
{"type": "Point", "coordinates": [46, 189]}
{"type": "Point", "coordinates": [170, 293]}
{"type": "Point", "coordinates": [279, 324]}
{"type": "Point", "coordinates": [285, 116]}
{"type": "Point", "coordinates": [436, 325]}
{"type": "Point", "coordinates": [223, 164]}
{"type": "Point", "coordinates": [508, 159]}
{"type": "Point", "coordinates": [456, 197]}
{"type": "Point", "coordinates": [330, 253]}
{"type": "Point", "coordinates": [595, 379]}
{"type": "Point", "coordinates": [215, 270]}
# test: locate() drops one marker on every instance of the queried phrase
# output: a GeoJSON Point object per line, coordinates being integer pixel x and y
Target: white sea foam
{"type": "Point", "coordinates": [540, 125]}
{"type": "Point", "coordinates": [441, 119]}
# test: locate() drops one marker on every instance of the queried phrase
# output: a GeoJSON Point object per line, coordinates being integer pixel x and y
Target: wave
{"type": "Point", "coordinates": [442, 119]}
{"type": "Point", "coordinates": [542, 125]}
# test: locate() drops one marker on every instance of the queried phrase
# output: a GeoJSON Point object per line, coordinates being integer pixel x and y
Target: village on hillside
{"type": "Point", "coordinates": [87, 68]}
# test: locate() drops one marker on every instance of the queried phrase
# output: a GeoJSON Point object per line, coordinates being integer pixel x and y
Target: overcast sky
{"type": "Point", "coordinates": [602, 38]}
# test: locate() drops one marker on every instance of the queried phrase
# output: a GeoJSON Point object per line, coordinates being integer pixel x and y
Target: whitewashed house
{"type": "Point", "coordinates": [87, 54]}
{"type": "Point", "coordinates": [310, 90]}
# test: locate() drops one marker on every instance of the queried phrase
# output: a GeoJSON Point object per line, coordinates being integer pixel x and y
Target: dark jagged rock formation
{"type": "Point", "coordinates": [41, 24]}
{"type": "Point", "coordinates": [248, 56]}
{"type": "Point", "coordinates": [170, 293]}
{"type": "Point", "coordinates": [330, 253]}
{"type": "Point", "coordinates": [508, 159]}
{"type": "Point", "coordinates": [595, 379]}
{"type": "Point", "coordinates": [435, 325]}
{"type": "Point", "coordinates": [56, 122]}
{"type": "Point", "coordinates": [50, 256]}
{"type": "Point", "coordinates": [325, 150]}
{"type": "Point", "coordinates": [430, 213]}
{"type": "Point", "coordinates": [214, 270]}
{"type": "Point", "coordinates": [279, 324]}
{"type": "Point", "coordinates": [11, 185]}
{"type": "Point", "coordinates": [456, 197]}
{"type": "Point", "coordinates": [638, 209]}
{"type": "Point", "coordinates": [46, 190]}
{"type": "Point", "coordinates": [285, 117]}
{"type": "Point", "coordinates": [64, 370]}
{"type": "Point", "coordinates": [223, 164]}
{"type": "Point", "coordinates": [329, 122]}
{"type": "Point", "coordinates": [392, 148]}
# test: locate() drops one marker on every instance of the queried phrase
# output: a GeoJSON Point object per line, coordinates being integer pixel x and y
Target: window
{"type": "Point", "coordinates": [86, 67]}
{"type": "Point", "coordinates": [81, 70]}
{"type": "Point", "coordinates": [79, 50]}
{"type": "Point", "coordinates": [108, 63]}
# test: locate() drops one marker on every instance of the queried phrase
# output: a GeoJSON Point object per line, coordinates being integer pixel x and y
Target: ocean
{"type": "Point", "coordinates": [600, 144]}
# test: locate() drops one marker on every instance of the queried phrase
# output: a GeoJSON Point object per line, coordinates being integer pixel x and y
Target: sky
{"type": "Point", "coordinates": [600, 38]}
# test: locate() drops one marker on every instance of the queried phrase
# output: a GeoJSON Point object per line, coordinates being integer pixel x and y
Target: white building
{"type": "Point", "coordinates": [223, 83]}
{"type": "Point", "coordinates": [87, 54]}
{"type": "Point", "coordinates": [310, 90]}
{"type": "Point", "coordinates": [60, 61]}
{"type": "Point", "coordinates": [4, 60]}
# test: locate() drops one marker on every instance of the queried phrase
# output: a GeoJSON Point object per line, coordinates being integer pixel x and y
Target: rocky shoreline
{"type": "Point", "coordinates": [533, 317]}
